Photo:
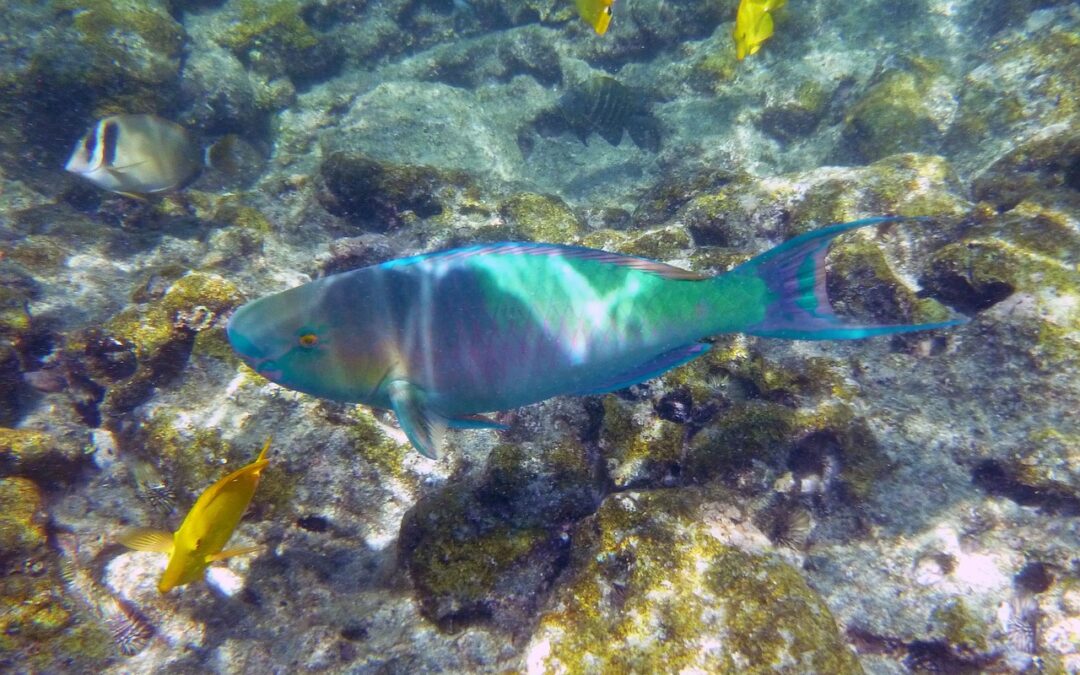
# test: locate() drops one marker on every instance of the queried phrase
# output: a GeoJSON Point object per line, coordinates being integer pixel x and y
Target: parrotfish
{"type": "Point", "coordinates": [753, 25]}
{"type": "Point", "coordinates": [442, 337]}
{"type": "Point", "coordinates": [596, 13]}
{"type": "Point", "coordinates": [206, 529]}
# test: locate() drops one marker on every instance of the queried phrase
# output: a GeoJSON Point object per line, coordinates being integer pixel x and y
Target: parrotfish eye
{"type": "Point", "coordinates": [308, 340]}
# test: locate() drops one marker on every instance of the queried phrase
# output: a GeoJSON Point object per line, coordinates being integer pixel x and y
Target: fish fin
{"type": "Point", "coordinates": [764, 29]}
{"type": "Point", "coordinates": [612, 134]}
{"type": "Point", "coordinates": [132, 195]}
{"type": "Point", "coordinates": [578, 252]}
{"type": "Point", "coordinates": [232, 552]}
{"type": "Point", "coordinates": [650, 369]}
{"type": "Point", "coordinates": [265, 449]}
{"type": "Point", "coordinates": [117, 168]}
{"type": "Point", "coordinates": [475, 422]}
{"type": "Point", "coordinates": [645, 133]}
{"type": "Point", "coordinates": [794, 274]}
{"type": "Point", "coordinates": [147, 539]}
{"type": "Point", "coordinates": [424, 427]}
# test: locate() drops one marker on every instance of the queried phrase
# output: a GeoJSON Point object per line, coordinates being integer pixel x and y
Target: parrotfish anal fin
{"type": "Point", "coordinates": [797, 303]}
{"type": "Point", "coordinates": [555, 250]}
{"type": "Point", "coordinates": [231, 552]}
{"type": "Point", "coordinates": [147, 539]}
{"type": "Point", "coordinates": [650, 369]}
{"type": "Point", "coordinates": [424, 427]}
{"type": "Point", "coordinates": [475, 422]}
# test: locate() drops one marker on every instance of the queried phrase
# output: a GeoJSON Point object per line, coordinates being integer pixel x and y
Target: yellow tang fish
{"type": "Point", "coordinates": [597, 13]}
{"type": "Point", "coordinates": [753, 25]}
{"type": "Point", "coordinates": [206, 529]}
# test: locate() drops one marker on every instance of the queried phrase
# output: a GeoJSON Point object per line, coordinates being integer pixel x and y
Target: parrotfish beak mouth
{"type": "Point", "coordinates": [249, 352]}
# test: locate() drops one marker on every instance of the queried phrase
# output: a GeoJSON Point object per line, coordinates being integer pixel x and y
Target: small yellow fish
{"type": "Point", "coordinates": [753, 25]}
{"type": "Point", "coordinates": [596, 13]}
{"type": "Point", "coordinates": [206, 528]}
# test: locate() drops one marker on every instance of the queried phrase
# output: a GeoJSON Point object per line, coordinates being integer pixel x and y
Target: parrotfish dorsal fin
{"type": "Point", "coordinates": [424, 427]}
{"type": "Point", "coordinates": [572, 252]}
{"type": "Point", "coordinates": [147, 539]}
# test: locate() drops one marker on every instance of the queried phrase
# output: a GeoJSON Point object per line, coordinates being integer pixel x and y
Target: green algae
{"type": "Point", "coordinates": [38, 622]}
{"type": "Point", "coordinates": [261, 24]}
{"type": "Point", "coordinates": [518, 477]}
{"type": "Point", "coordinates": [469, 564]}
{"type": "Point", "coordinates": [959, 626]}
{"type": "Point", "coordinates": [377, 448]}
{"type": "Point", "coordinates": [892, 117]}
{"type": "Point", "coordinates": [797, 115]}
{"type": "Point", "coordinates": [380, 195]}
{"type": "Point", "coordinates": [21, 517]}
{"type": "Point", "coordinates": [756, 429]}
{"type": "Point", "coordinates": [133, 48]}
{"type": "Point", "coordinates": [151, 327]}
{"type": "Point", "coordinates": [772, 612]}
{"type": "Point", "coordinates": [537, 217]}
{"type": "Point", "coordinates": [158, 338]}
{"type": "Point", "coordinates": [467, 571]}
{"type": "Point", "coordinates": [908, 184]}
{"type": "Point", "coordinates": [39, 455]}
{"type": "Point", "coordinates": [867, 286]}
{"type": "Point", "coordinates": [652, 589]}
{"type": "Point", "coordinates": [638, 452]}
{"type": "Point", "coordinates": [1027, 78]}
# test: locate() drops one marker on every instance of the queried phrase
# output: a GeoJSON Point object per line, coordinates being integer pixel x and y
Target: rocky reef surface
{"type": "Point", "coordinates": [903, 504]}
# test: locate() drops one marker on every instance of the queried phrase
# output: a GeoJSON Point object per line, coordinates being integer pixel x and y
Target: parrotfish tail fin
{"type": "Point", "coordinates": [799, 309]}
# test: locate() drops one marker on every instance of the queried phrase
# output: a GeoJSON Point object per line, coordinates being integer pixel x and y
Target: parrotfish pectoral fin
{"type": "Point", "coordinates": [798, 306]}
{"type": "Point", "coordinates": [232, 552]}
{"type": "Point", "coordinates": [424, 427]}
{"type": "Point", "coordinates": [650, 369]}
{"type": "Point", "coordinates": [147, 539]}
{"type": "Point", "coordinates": [475, 422]}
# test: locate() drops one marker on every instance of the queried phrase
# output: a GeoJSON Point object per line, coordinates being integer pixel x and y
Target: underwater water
{"type": "Point", "coordinates": [900, 503]}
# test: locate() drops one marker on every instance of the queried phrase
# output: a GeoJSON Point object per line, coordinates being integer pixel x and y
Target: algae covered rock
{"type": "Point", "coordinates": [126, 52]}
{"type": "Point", "coordinates": [40, 455]}
{"type": "Point", "coordinates": [1026, 82]}
{"type": "Point", "coordinates": [273, 38]}
{"type": "Point", "coordinates": [795, 114]}
{"type": "Point", "coordinates": [471, 566]}
{"type": "Point", "coordinates": [42, 629]}
{"type": "Point", "coordinates": [670, 581]}
{"type": "Point", "coordinates": [145, 345]}
{"type": "Point", "coordinates": [22, 518]}
{"type": "Point", "coordinates": [1044, 168]}
{"type": "Point", "coordinates": [535, 217]}
{"type": "Point", "coordinates": [904, 111]}
{"type": "Point", "coordinates": [381, 195]}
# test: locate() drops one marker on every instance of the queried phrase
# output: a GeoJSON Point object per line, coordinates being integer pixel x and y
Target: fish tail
{"type": "Point", "coordinates": [797, 303]}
